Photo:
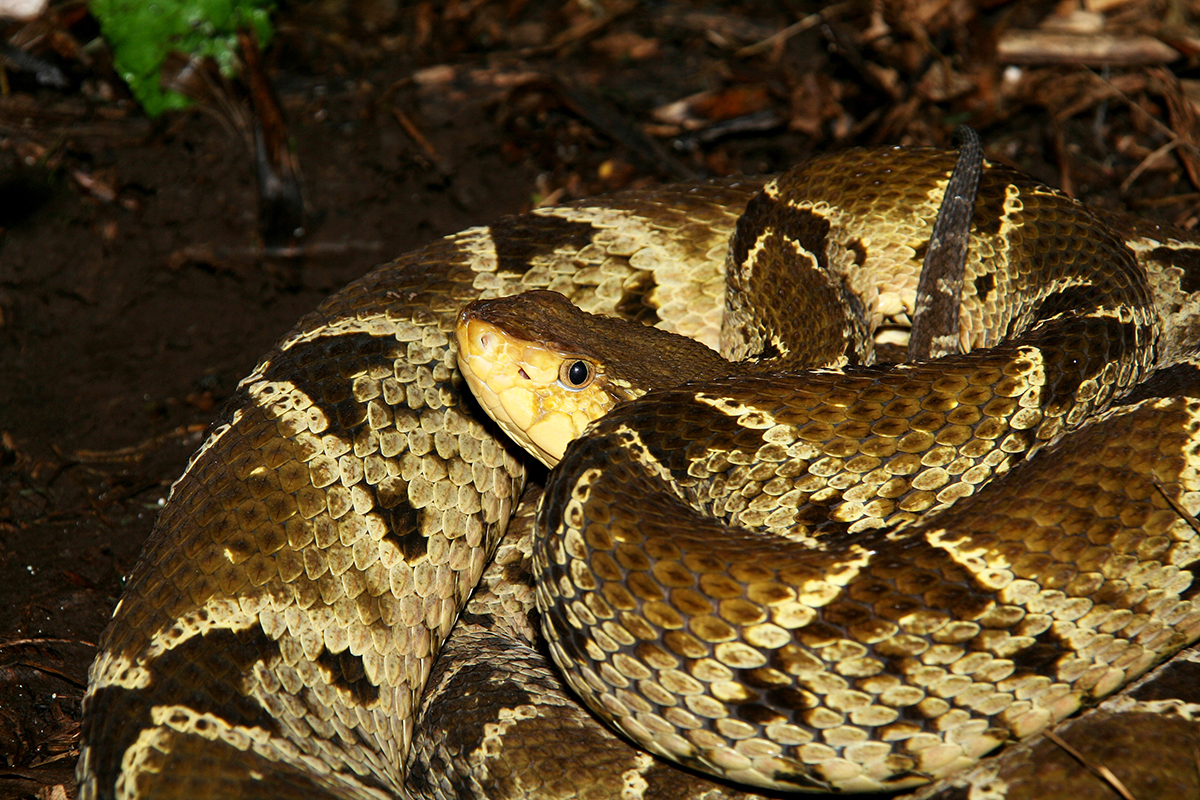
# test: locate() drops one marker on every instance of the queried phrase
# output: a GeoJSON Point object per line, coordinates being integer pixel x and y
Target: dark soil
{"type": "Point", "coordinates": [135, 292]}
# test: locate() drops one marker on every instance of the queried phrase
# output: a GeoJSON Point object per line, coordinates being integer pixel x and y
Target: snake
{"type": "Point", "coordinates": [811, 572]}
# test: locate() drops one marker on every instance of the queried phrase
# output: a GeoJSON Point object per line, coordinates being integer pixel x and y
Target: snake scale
{"type": "Point", "coordinates": [971, 548]}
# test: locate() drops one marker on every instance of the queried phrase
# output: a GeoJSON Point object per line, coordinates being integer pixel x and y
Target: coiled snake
{"type": "Point", "coordinates": [937, 589]}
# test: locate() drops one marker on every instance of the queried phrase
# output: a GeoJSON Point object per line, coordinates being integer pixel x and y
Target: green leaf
{"type": "Point", "coordinates": [142, 32]}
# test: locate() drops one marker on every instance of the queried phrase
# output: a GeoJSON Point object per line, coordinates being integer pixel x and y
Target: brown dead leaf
{"type": "Point", "coordinates": [942, 82]}
{"type": "Point", "coordinates": [705, 108]}
{"type": "Point", "coordinates": [814, 102]}
{"type": "Point", "coordinates": [55, 792]}
{"type": "Point", "coordinates": [626, 46]}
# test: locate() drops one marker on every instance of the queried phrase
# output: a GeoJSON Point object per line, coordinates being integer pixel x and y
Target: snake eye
{"type": "Point", "coordinates": [576, 374]}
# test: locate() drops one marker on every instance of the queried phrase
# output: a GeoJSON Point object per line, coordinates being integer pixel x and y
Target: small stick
{"type": "Point", "coordinates": [1180, 510]}
{"type": "Point", "coordinates": [1100, 771]}
{"type": "Point", "coordinates": [939, 291]}
{"type": "Point", "coordinates": [415, 133]}
{"type": "Point", "coordinates": [811, 21]}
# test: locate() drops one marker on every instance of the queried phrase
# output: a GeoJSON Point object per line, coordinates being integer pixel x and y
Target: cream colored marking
{"type": "Point", "coordinates": [281, 398]}
{"type": "Point", "coordinates": [150, 743]}
{"type": "Point", "coordinates": [818, 593]}
{"type": "Point", "coordinates": [111, 670]}
{"type": "Point", "coordinates": [217, 613]}
{"type": "Point", "coordinates": [169, 720]}
{"type": "Point", "coordinates": [634, 443]}
{"type": "Point", "coordinates": [752, 256]}
{"type": "Point", "coordinates": [885, 282]}
{"type": "Point", "coordinates": [476, 241]}
{"type": "Point", "coordinates": [379, 325]}
{"type": "Point", "coordinates": [633, 780]}
{"type": "Point", "coordinates": [1013, 205]}
{"type": "Point", "coordinates": [995, 575]}
{"type": "Point", "coordinates": [185, 719]}
{"type": "Point", "coordinates": [492, 740]}
{"type": "Point", "coordinates": [731, 408]}
{"type": "Point", "coordinates": [1179, 309]}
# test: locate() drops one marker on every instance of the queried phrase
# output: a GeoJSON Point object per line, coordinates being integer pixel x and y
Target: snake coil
{"type": "Point", "coordinates": [971, 548]}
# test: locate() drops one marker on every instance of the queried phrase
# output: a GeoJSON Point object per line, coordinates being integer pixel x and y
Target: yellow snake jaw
{"type": "Point", "coordinates": [518, 384]}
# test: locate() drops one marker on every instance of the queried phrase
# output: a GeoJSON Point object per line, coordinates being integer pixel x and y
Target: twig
{"type": "Point", "coordinates": [1181, 114]}
{"type": "Point", "coordinates": [1099, 770]}
{"type": "Point", "coordinates": [62, 676]}
{"type": "Point", "coordinates": [1160, 126]}
{"type": "Point", "coordinates": [135, 452]}
{"type": "Point", "coordinates": [210, 254]}
{"type": "Point", "coordinates": [580, 32]}
{"type": "Point", "coordinates": [281, 216]}
{"type": "Point", "coordinates": [1146, 162]}
{"type": "Point", "coordinates": [1167, 200]}
{"type": "Point", "coordinates": [22, 642]}
{"type": "Point", "coordinates": [1041, 47]}
{"type": "Point", "coordinates": [1180, 510]}
{"type": "Point", "coordinates": [811, 21]}
{"type": "Point", "coordinates": [71, 753]}
{"type": "Point", "coordinates": [602, 116]}
{"type": "Point", "coordinates": [26, 662]}
{"type": "Point", "coordinates": [415, 134]}
{"type": "Point", "coordinates": [935, 322]}
{"type": "Point", "coordinates": [1062, 155]}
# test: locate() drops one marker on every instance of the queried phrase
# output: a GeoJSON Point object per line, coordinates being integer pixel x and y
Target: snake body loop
{"type": "Point", "coordinates": [280, 636]}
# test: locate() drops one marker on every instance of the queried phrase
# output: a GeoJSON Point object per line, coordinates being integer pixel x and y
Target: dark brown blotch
{"type": "Point", "coordinates": [404, 530]}
{"type": "Point", "coordinates": [346, 672]}
{"type": "Point", "coordinates": [984, 284]}
{"type": "Point", "coordinates": [1177, 680]}
{"type": "Point", "coordinates": [635, 304]}
{"type": "Point", "coordinates": [1178, 379]}
{"type": "Point", "coordinates": [1041, 657]}
{"type": "Point", "coordinates": [792, 699]}
{"type": "Point", "coordinates": [757, 714]}
{"type": "Point", "coordinates": [989, 202]}
{"type": "Point", "coordinates": [521, 240]}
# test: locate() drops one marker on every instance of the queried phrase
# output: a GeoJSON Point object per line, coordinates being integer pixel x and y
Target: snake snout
{"type": "Point", "coordinates": [475, 337]}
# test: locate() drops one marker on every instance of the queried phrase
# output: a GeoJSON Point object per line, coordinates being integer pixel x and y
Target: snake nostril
{"type": "Point", "coordinates": [521, 371]}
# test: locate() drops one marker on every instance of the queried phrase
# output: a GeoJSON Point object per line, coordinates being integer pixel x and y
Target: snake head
{"type": "Point", "coordinates": [544, 370]}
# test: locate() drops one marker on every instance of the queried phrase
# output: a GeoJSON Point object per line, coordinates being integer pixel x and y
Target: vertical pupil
{"type": "Point", "coordinates": [578, 373]}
